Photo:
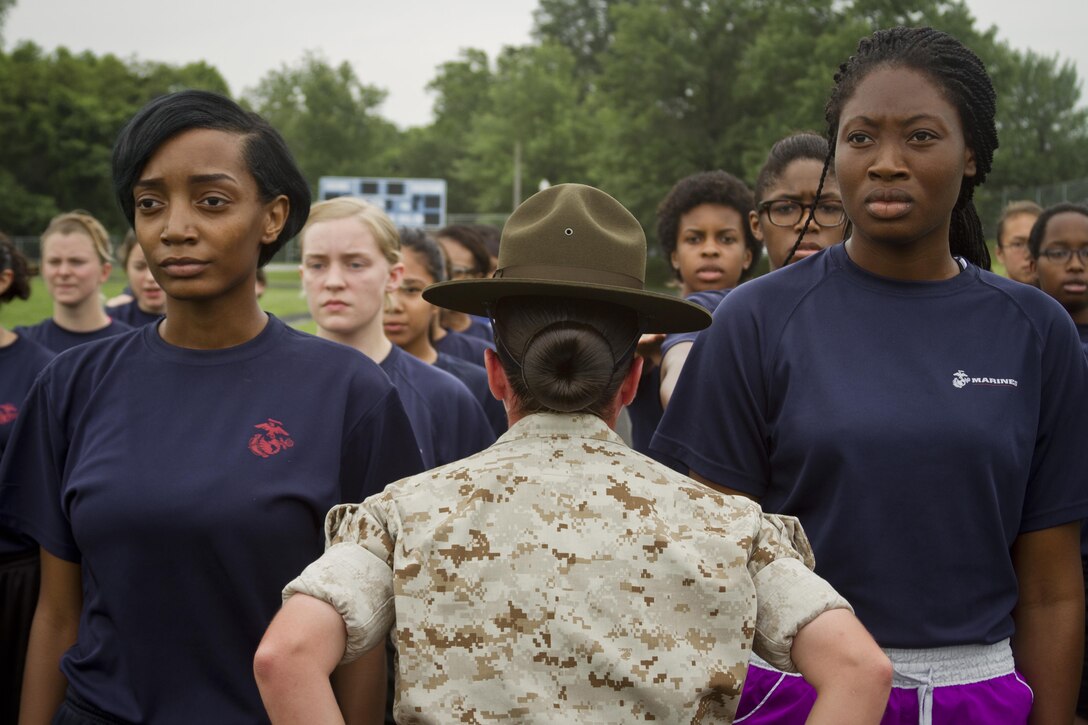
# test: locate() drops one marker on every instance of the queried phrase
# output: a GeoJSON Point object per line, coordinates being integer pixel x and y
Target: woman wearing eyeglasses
{"type": "Point", "coordinates": [702, 225]}
{"type": "Point", "coordinates": [785, 189]}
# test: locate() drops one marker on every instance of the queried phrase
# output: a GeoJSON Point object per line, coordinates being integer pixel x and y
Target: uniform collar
{"type": "Point", "coordinates": [568, 425]}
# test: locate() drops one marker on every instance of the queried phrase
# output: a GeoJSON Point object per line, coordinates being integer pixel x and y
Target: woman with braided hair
{"type": "Point", "coordinates": [857, 390]}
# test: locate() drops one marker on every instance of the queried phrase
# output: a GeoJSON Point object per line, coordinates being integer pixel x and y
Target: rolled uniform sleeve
{"type": "Point", "coordinates": [788, 594]}
{"type": "Point", "coordinates": [354, 575]}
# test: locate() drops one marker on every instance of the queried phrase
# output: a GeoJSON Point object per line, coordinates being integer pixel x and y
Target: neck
{"type": "Point", "coordinates": [1080, 317]}
{"type": "Point", "coordinates": [422, 348]}
{"type": "Point", "coordinates": [7, 337]}
{"type": "Point", "coordinates": [87, 316]}
{"type": "Point", "coordinates": [456, 321]}
{"type": "Point", "coordinates": [919, 262]}
{"type": "Point", "coordinates": [201, 325]}
{"type": "Point", "coordinates": [369, 340]}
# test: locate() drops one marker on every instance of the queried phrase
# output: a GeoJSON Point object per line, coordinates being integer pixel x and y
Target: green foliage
{"type": "Point", "coordinates": [59, 115]}
{"type": "Point", "coordinates": [328, 117]}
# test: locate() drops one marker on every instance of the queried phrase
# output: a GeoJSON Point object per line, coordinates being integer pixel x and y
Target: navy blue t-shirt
{"type": "Point", "coordinates": [53, 337]}
{"type": "Point", "coordinates": [915, 428]}
{"type": "Point", "coordinates": [131, 314]}
{"type": "Point", "coordinates": [1082, 330]}
{"type": "Point", "coordinates": [191, 486]}
{"type": "Point", "coordinates": [645, 410]}
{"type": "Point", "coordinates": [20, 363]}
{"type": "Point", "coordinates": [475, 379]}
{"type": "Point", "coordinates": [463, 346]}
{"type": "Point", "coordinates": [448, 422]}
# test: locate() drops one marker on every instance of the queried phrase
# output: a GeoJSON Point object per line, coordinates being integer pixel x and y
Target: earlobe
{"type": "Point", "coordinates": [672, 260]}
{"type": "Point", "coordinates": [6, 278]}
{"type": "Point", "coordinates": [396, 274]}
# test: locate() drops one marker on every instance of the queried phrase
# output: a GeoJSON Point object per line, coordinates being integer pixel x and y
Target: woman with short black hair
{"type": "Point", "coordinates": [174, 476]}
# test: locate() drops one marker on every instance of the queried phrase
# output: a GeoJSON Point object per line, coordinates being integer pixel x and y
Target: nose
{"type": "Point", "coordinates": [334, 278]}
{"type": "Point", "coordinates": [394, 301]}
{"type": "Point", "coordinates": [177, 227]}
{"type": "Point", "coordinates": [887, 164]}
{"type": "Point", "coordinates": [1075, 260]}
{"type": "Point", "coordinates": [709, 248]}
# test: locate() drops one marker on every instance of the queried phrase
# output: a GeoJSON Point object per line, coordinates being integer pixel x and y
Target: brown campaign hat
{"type": "Point", "coordinates": [572, 241]}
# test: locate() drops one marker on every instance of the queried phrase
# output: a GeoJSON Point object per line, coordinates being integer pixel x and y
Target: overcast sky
{"type": "Point", "coordinates": [393, 45]}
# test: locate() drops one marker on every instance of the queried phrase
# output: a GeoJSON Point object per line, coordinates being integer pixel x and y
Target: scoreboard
{"type": "Point", "coordinates": [408, 202]}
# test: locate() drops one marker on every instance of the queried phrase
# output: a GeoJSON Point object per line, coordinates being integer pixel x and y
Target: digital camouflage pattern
{"type": "Point", "coordinates": [559, 575]}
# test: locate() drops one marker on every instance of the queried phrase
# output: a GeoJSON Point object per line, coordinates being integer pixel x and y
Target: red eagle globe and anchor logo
{"type": "Point", "coordinates": [272, 439]}
{"type": "Point", "coordinates": [8, 413]}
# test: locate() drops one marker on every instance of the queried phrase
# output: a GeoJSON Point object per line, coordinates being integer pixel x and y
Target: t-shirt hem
{"type": "Point", "coordinates": [1053, 518]}
{"type": "Point", "coordinates": [61, 551]}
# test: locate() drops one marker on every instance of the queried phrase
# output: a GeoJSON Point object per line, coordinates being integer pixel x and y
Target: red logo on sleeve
{"type": "Point", "coordinates": [271, 440]}
{"type": "Point", "coordinates": [7, 413]}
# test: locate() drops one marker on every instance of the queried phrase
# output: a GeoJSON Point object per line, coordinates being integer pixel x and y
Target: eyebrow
{"type": "Point", "coordinates": [194, 179]}
{"type": "Point", "coordinates": [906, 122]}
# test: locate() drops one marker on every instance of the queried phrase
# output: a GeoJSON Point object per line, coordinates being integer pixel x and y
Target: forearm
{"type": "Point", "coordinates": [299, 651]}
{"type": "Point", "coordinates": [672, 364]}
{"type": "Point", "coordinates": [360, 687]}
{"type": "Point", "coordinates": [1049, 619]}
{"type": "Point", "coordinates": [44, 684]}
{"type": "Point", "coordinates": [54, 629]}
{"type": "Point", "coordinates": [851, 675]}
{"type": "Point", "coordinates": [1047, 648]}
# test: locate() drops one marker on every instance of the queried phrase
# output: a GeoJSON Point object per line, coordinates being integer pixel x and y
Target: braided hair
{"type": "Point", "coordinates": [962, 77]}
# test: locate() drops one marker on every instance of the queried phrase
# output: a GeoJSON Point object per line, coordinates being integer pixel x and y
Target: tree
{"type": "Point", "coordinates": [328, 118]}
{"type": "Point", "coordinates": [5, 7]}
{"type": "Point", "coordinates": [532, 104]}
{"type": "Point", "coordinates": [59, 116]}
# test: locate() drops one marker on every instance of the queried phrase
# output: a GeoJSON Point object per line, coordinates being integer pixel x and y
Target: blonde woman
{"type": "Point", "coordinates": [76, 262]}
{"type": "Point", "coordinates": [350, 267]}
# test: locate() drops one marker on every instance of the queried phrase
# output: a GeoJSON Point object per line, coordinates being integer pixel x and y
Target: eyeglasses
{"type": "Point", "coordinates": [787, 213]}
{"type": "Point", "coordinates": [1062, 255]}
{"type": "Point", "coordinates": [1017, 246]}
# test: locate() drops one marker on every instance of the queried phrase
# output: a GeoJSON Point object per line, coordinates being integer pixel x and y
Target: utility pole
{"type": "Point", "coordinates": [517, 174]}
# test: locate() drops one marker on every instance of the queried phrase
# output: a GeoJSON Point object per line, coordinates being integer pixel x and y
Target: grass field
{"type": "Point", "coordinates": [283, 298]}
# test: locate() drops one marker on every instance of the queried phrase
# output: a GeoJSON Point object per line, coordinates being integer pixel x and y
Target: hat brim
{"type": "Point", "coordinates": [657, 312]}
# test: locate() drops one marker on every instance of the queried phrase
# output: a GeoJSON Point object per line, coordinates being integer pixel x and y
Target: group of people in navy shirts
{"type": "Point", "coordinates": [167, 462]}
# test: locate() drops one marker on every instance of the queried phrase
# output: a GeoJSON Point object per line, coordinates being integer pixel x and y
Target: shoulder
{"type": "Point", "coordinates": [1040, 311]}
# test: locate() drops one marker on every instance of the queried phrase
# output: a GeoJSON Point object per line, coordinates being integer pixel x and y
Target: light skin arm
{"type": "Point", "coordinates": [851, 675]}
{"type": "Point", "coordinates": [671, 366]}
{"type": "Point", "coordinates": [298, 653]}
{"type": "Point", "coordinates": [52, 632]}
{"type": "Point", "coordinates": [1049, 618]}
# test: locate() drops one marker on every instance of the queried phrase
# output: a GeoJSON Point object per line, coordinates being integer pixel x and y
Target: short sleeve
{"type": "Point", "coordinates": [716, 422]}
{"type": "Point", "coordinates": [1056, 493]}
{"type": "Point", "coordinates": [379, 449]}
{"type": "Point", "coordinates": [32, 475]}
{"type": "Point", "coordinates": [354, 575]}
{"type": "Point", "coordinates": [788, 594]}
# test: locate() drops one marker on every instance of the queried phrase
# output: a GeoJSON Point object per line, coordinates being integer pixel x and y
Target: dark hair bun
{"type": "Point", "coordinates": [567, 366]}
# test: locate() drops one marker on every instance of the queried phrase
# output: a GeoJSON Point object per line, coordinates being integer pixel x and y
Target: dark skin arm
{"type": "Point", "coordinates": [718, 487]}
{"type": "Point", "coordinates": [1049, 618]}
{"type": "Point", "coordinates": [52, 632]}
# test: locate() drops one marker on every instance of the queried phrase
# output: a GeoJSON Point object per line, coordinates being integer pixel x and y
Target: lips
{"type": "Point", "coordinates": [888, 203]}
{"type": "Point", "coordinates": [182, 267]}
{"type": "Point", "coordinates": [1076, 286]}
{"type": "Point", "coordinates": [709, 273]}
{"type": "Point", "coordinates": [334, 305]}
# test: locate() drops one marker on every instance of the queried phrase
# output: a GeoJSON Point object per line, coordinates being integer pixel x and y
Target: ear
{"type": "Point", "coordinates": [969, 167]}
{"type": "Point", "coordinates": [629, 388]}
{"type": "Point", "coordinates": [276, 218]}
{"type": "Point", "coordinates": [6, 278]}
{"type": "Point", "coordinates": [747, 258]}
{"type": "Point", "coordinates": [672, 260]}
{"type": "Point", "coordinates": [396, 275]}
{"type": "Point", "coordinates": [753, 222]}
{"type": "Point", "coordinates": [106, 269]}
{"type": "Point", "coordinates": [496, 378]}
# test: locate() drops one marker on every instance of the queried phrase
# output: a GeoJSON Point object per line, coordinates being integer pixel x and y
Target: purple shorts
{"type": "Point", "coordinates": [943, 686]}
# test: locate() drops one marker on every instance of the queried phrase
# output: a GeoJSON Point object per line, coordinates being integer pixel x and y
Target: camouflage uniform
{"type": "Point", "coordinates": [559, 575]}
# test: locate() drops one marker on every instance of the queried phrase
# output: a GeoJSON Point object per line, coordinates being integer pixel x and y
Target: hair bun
{"type": "Point", "coordinates": [567, 366]}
